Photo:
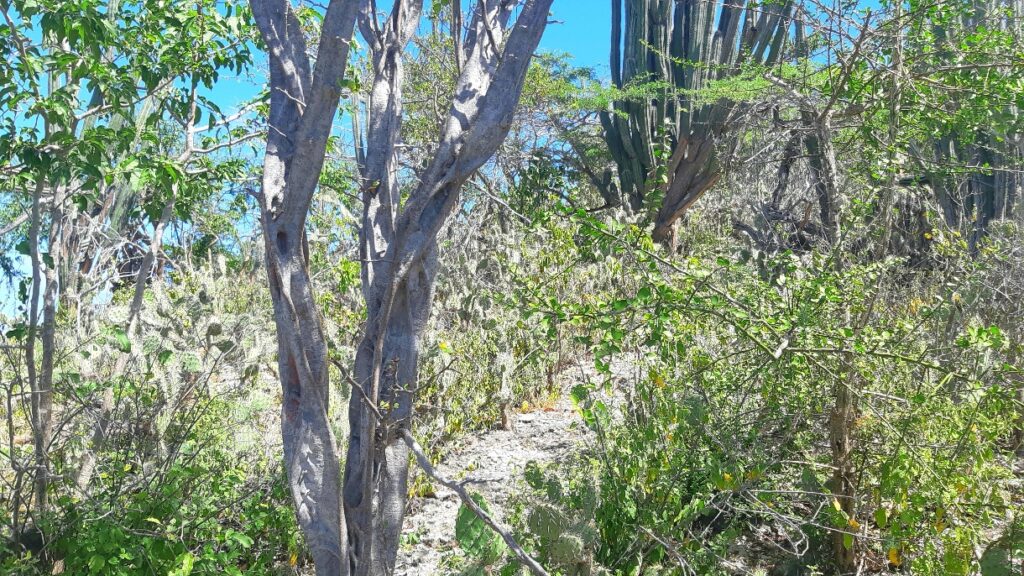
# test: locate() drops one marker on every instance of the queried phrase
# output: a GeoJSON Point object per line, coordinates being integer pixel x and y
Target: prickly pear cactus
{"type": "Point", "coordinates": [476, 538]}
{"type": "Point", "coordinates": [998, 559]}
{"type": "Point", "coordinates": [560, 519]}
{"type": "Point", "coordinates": [546, 522]}
{"type": "Point", "coordinates": [566, 549]}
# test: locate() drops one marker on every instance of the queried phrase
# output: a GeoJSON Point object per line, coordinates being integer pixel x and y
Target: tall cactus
{"type": "Point", "coordinates": [971, 199]}
{"type": "Point", "coordinates": [675, 47]}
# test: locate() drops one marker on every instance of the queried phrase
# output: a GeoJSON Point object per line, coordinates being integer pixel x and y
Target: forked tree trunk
{"type": "Point", "coordinates": [399, 249]}
{"type": "Point", "coordinates": [376, 465]}
{"type": "Point", "coordinates": [398, 245]}
{"type": "Point", "coordinates": [694, 170]}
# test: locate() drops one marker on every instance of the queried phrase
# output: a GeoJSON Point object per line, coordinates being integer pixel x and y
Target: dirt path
{"type": "Point", "coordinates": [495, 461]}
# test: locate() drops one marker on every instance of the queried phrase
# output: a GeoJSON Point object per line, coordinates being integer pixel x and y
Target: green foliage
{"type": "Point", "coordinates": [181, 482]}
{"type": "Point", "coordinates": [711, 374]}
{"type": "Point", "coordinates": [203, 517]}
{"type": "Point", "coordinates": [104, 99]}
{"type": "Point", "coordinates": [560, 521]}
{"type": "Point", "coordinates": [206, 512]}
{"type": "Point", "coordinates": [742, 362]}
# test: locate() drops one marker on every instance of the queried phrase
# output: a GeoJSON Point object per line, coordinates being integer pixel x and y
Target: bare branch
{"type": "Point", "coordinates": [427, 467]}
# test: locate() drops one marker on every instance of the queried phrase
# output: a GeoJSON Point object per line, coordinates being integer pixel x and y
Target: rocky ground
{"type": "Point", "coordinates": [494, 461]}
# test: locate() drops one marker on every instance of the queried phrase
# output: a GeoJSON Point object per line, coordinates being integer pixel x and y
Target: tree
{"type": "Point", "coordinates": [398, 245]}
{"type": "Point", "coordinates": [79, 163]}
{"type": "Point", "coordinates": [664, 138]}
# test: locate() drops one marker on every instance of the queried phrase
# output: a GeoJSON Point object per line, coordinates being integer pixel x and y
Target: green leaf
{"type": "Point", "coordinates": [121, 341]}
{"type": "Point", "coordinates": [164, 356]}
{"type": "Point", "coordinates": [185, 561]}
{"type": "Point", "coordinates": [579, 394]}
{"type": "Point", "coordinates": [96, 563]}
{"type": "Point", "coordinates": [17, 332]}
{"type": "Point", "coordinates": [350, 84]}
{"type": "Point", "coordinates": [243, 540]}
{"type": "Point", "coordinates": [81, 201]}
{"type": "Point", "coordinates": [881, 518]}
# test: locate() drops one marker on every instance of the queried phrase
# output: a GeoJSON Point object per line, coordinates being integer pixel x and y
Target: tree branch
{"type": "Point", "coordinates": [427, 467]}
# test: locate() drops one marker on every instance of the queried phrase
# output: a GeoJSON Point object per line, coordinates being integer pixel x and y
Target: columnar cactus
{"type": "Point", "coordinates": [673, 49]}
{"type": "Point", "coordinates": [971, 201]}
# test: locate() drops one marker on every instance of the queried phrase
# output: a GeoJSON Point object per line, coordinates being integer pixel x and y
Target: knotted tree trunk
{"type": "Point", "coordinates": [303, 102]}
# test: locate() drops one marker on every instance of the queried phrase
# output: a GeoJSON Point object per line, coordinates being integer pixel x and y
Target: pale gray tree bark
{"type": "Point", "coordinates": [398, 245]}
{"type": "Point", "coordinates": [303, 103]}
{"type": "Point", "coordinates": [39, 385]}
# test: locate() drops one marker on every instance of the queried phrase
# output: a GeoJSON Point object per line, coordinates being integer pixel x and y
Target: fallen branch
{"type": "Point", "coordinates": [424, 463]}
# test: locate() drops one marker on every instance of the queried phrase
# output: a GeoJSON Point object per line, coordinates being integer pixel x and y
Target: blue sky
{"type": "Point", "coordinates": [581, 28]}
{"type": "Point", "coordinates": [585, 31]}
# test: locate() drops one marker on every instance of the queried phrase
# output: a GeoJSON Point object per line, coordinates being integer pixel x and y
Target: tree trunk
{"type": "Point", "coordinates": [303, 102]}
{"type": "Point", "coordinates": [843, 488]}
{"type": "Point", "coordinates": [789, 156]}
{"type": "Point", "coordinates": [48, 339]}
{"type": "Point", "coordinates": [41, 417]}
{"type": "Point", "coordinates": [146, 269]}
{"type": "Point", "coordinates": [398, 247]}
{"type": "Point", "coordinates": [398, 251]}
{"type": "Point", "coordinates": [983, 186]}
{"type": "Point", "coordinates": [693, 170]}
{"type": "Point", "coordinates": [822, 161]}
{"type": "Point", "coordinates": [310, 451]}
{"type": "Point", "coordinates": [87, 461]}
{"type": "Point", "coordinates": [404, 325]}
{"type": "Point", "coordinates": [682, 45]}
{"type": "Point", "coordinates": [377, 460]}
